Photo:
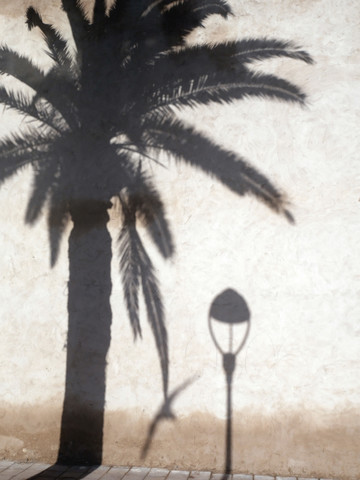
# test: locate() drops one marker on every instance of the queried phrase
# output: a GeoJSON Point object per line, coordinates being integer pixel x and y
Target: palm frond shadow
{"type": "Point", "coordinates": [137, 269]}
{"type": "Point", "coordinates": [95, 123]}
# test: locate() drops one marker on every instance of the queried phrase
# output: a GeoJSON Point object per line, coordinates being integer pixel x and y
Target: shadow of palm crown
{"type": "Point", "coordinates": [109, 107]}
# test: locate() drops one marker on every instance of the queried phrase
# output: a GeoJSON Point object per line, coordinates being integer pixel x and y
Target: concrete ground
{"type": "Point", "coordinates": [25, 471]}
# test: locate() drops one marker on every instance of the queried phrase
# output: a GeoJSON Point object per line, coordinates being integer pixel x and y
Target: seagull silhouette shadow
{"type": "Point", "coordinates": [164, 413]}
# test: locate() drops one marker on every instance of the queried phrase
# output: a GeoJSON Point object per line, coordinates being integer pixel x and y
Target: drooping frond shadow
{"type": "Point", "coordinates": [94, 124]}
{"type": "Point", "coordinates": [136, 266]}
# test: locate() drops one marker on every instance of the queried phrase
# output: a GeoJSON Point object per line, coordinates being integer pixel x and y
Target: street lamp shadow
{"type": "Point", "coordinates": [229, 309]}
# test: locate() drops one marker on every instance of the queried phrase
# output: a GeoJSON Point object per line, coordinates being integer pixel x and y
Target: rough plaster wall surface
{"type": "Point", "coordinates": [296, 402]}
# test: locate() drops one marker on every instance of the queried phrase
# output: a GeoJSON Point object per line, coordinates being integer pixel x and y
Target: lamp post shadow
{"type": "Point", "coordinates": [229, 308]}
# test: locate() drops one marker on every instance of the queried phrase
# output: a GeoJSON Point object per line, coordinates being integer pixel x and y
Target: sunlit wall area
{"type": "Point", "coordinates": [251, 364]}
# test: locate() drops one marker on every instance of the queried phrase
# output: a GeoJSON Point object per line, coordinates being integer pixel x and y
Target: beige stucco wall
{"type": "Point", "coordinates": [296, 400]}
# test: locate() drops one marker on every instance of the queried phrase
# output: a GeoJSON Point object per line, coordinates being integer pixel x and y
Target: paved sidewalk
{"type": "Point", "coordinates": [26, 471]}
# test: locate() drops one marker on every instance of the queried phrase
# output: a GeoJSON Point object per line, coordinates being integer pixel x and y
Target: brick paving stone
{"type": "Point", "coordinates": [97, 473]}
{"type": "Point", "coordinates": [18, 467]}
{"type": "Point", "coordinates": [45, 477]}
{"type": "Point", "coordinates": [196, 475]}
{"type": "Point", "coordinates": [285, 478]}
{"type": "Point", "coordinates": [53, 471]}
{"type": "Point", "coordinates": [157, 474]}
{"type": "Point", "coordinates": [115, 473]}
{"type": "Point", "coordinates": [5, 476]}
{"type": "Point", "coordinates": [178, 475]}
{"type": "Point", "coordinates": [307, 478]}
{"type": "Point", "coordinates": [242, 476]}
{"type": "Point", "coordinates": [33, 470]}
{"type": "Point", "coordinates": [57, 467]}
{"type": "Point", "coordinates": [14, 470]}
{"type": "Point", "coordinates": [263, 477]}
{"type": "Point", "coordinates": [53, 476]}
{"type": "Point", "coordinates": [221, 476]}
{"type": "Point", "coordinates": [5, 464]}
{"type": "Point", "coordinates": [77, 471]}
{"type": "Point", "coordinates": [136, 473]}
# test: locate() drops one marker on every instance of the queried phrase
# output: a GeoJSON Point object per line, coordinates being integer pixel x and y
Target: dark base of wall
{"type": "Point", "coordinates": [301, 444]}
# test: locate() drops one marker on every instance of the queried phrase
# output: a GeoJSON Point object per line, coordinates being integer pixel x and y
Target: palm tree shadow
{"type": "Point", "coordinates": [102, 117]}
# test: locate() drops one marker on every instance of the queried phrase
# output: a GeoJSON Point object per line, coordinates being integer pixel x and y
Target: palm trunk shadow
{"type": "Point", "coordinates": [89, 334]}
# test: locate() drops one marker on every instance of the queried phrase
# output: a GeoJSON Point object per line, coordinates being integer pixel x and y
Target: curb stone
{"type": "Point", "coordinates": [10, 470]}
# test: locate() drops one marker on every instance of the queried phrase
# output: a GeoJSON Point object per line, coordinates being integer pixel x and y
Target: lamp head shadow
{"type": "Point", "coordinates": [229, 307]}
